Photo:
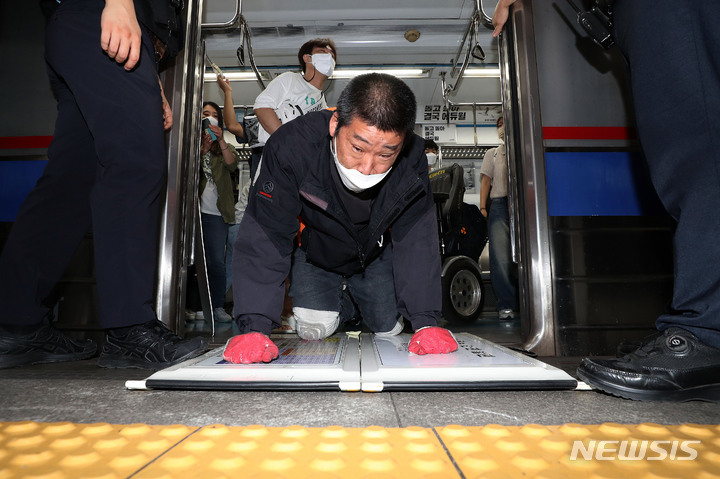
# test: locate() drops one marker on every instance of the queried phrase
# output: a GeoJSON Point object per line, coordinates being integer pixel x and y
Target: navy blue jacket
{"type": "Point", "coordinates": [294, 181]}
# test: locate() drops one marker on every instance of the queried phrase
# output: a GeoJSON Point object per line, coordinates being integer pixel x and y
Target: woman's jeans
{"type": "Point", "coordinates": [503, 272]}
{"type": "Point", "coordinates": [215, 232]}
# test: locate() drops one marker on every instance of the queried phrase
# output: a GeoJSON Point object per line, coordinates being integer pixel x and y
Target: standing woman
{"type": "Point", "coordinates": [217, 203]}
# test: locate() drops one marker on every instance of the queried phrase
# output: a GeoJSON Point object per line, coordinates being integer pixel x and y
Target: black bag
{"type": "Point", "coordinates": [468, 233]}
{"type": "Point", "coordinates": [251, 126]}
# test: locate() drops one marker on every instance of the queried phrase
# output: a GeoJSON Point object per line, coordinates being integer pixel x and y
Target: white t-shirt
{"type": "Point", "coordinates": [494, 165]}
{"type": "Point", "coordinates": [290, 96]}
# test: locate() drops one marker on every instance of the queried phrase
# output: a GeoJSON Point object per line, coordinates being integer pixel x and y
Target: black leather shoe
{"type": "Point", "coordinates": [148, 346]}
{"type": "Point", "coordinates": [44, 345]}
{"type": "Point", "coordinates": [672, 366]}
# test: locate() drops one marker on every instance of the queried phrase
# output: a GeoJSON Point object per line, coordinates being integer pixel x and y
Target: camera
{"type": "Point", "coordinates": [206, 128]}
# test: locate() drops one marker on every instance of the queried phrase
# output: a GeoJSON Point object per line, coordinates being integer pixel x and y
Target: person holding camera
{"type": "Point", "coordinates": [217, 202]}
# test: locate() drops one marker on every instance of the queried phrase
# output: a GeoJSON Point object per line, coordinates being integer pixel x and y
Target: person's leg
{"type": "Point", "coordinates": [679, 126]}
{"type": "Point", "coordinates": [674, 54]}
{"type": "Point", "coordinates": [501, 263]}
{"type": "Point", "coordinates": [123, 112]}
{"type": "Point", "coordinates": [374, 293]}
{"type": "Point", "coordinates": [52, 220]}
{"type": "Point", "coordinates": [231, 236]}
{"type": "Point", "coordinates": [214, 238]}
{"type": "Point", "coordinates": [316, 297]}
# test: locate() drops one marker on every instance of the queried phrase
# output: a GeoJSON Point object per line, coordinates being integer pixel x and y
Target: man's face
{"type": "Point", "coordinates": [308, 58]}
{"type": "Point", "coordinates": [365, 148]}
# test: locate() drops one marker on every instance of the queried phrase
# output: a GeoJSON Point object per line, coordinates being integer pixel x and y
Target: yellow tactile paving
{"type": "Point", "coordinates": [644, 451]}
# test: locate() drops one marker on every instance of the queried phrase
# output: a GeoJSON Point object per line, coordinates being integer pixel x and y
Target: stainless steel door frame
{"type": "Point", "coordinates": [183, 86]}
{"type": "Point", "coordinates": [528, 194]}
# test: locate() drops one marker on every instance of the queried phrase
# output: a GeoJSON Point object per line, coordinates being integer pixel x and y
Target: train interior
{"type": "Point", "coordinates": [591, 244]}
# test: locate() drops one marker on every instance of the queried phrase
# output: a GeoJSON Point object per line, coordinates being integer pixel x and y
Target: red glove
{"type": "Point", "coordinates": [432, 340]}
{"type": "Point", "coordinates": [250, 348]}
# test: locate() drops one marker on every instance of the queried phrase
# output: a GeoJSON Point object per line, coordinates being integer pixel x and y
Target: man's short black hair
{"type": "Point", "coordinates": [431, 145]}
{"type": "Point", "coordinates": [310, 45]}
{"type": "Point", "coordinates": [380, 100]}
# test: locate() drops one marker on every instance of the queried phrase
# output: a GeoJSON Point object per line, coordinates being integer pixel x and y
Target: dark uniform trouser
{"type": "Point", "coordinates": [674, 53]}
{"type": "Point", "coordinates": [106, 171]}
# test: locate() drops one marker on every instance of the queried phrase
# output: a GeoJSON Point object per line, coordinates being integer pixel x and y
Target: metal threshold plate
{"type": "Point", "coordinates": [367, 363]}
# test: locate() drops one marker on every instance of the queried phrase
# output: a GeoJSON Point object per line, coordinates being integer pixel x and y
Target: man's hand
{"type": "Point", "coordinates": [502, 12]}
{"type": "Point", "coordinates": [121, 34]}
{"type": "Point", "coordinates": [166, 111]}
{"type": "Point", "coordinates": [250, 348]}
{"type": "Point", "coordinates": [432, 340]}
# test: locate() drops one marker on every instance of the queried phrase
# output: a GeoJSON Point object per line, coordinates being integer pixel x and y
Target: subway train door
{"type": "Point", "coordinates": [591, 239]}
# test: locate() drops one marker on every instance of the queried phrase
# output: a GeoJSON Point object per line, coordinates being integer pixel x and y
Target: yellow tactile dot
{"type": "Point", "coordinates": [529, 461]}
{"type": "Point", "coordinates": [612, 429]}
{"type": "Point", "coordinates": [159, 444]}
{"type": "Point", "coordinates": [378, 464]}
{"type": "Point", "coordinates": [495, 431]}
{"type": "Point", "coordinates": [478, 462]}
{"type": "Point", "coordinates": [327, 463]}
{"type": "Point", "coordinates": [97, 429]}
{"type": "Point", "coordinates": [454, 431]}
{"type": "Point", "coordinates": [110, 444]}
{"type": "Point", "coordinates": [555, 443]}
{"type": "Point", "coordinates": [295, 432]}
{"type": "Point", "coordinates": [334, 447]}
{"type": "Point", "coordinates": [255, 431]}
{"type": "Point", "coordinates": [426, 463]}
{"type": "Point", "coordinates": [375, 432]}
{"type": "Point", "coordinates": [23, 427]}
{"type": "Point", "coordinates": [574, 430]}
{"type": "Point", "coordinates": [59, 428]}
{"type": "Point", "coordinates": [376, 447]}
{"type": "Point", "coordinates": [286, 446]}
{"type": "Point", "coordinates": [511, 446]}
{"type": "Point", "coordinates": [33, 459]}
{"type": "Point", "coordinates": [421, 447]}
{"type": "Point", "coordinates": [26, 442]}
{"type": "Point", "coordinates": [80, 460]}
{"type": "Point", "coordinates": [698, 431]}
{"type": "Point", "coordinates": [277, 463]}
{"type": "Point", "coordinates": [227, 463]}
{"type": "Point", "coordinates": [415, 432]}
{"type": "Point", "coordinates": [334, 432]}
{"type": "Point", "coordinates": [653, 430]}
{"type": "Point", "coordinates": [72, 442]}
{"type": "Point", "coordinates": [243, 445]}
{"type": "Point", "coordinates": [535, 431]}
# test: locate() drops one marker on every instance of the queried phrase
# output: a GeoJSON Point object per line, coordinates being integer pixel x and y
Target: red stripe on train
{"type": "Point", "coordinates": [589, 133]}
{"type": "Point", "coordinates": [24, 142]}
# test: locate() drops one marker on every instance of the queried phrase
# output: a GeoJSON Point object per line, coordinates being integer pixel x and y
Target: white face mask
{"type": "Point", "coordinates": [213, 121]}
{"type": "Point", "coordinates": [432, 158]}
{"type": "Point", "coordinates": [324, 63]}
{"type": "Point", "coordinates": [353, 179]}
{"type": "Point", "coordinates": [501, 133]}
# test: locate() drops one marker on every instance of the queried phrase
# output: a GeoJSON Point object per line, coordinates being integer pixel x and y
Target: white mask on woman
{"type": "Point", "coordinates": [324, 63]}
{"type": "Point", "coordinates": [501, 133]}
{"type": "Point", "coordinates": [353, 179]}
{"type": "Point", "coordinates": [432, 158]}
